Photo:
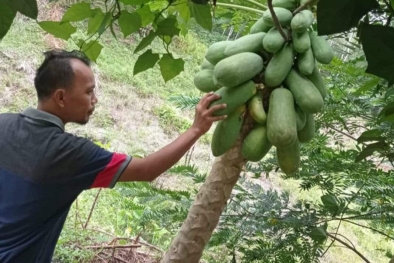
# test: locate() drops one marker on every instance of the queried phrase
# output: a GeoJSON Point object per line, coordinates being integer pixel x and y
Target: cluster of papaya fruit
{"type": "Point", "coordinates": [274, 79]}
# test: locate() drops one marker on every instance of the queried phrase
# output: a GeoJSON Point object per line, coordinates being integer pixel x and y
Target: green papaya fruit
{"type": "Point", "coordinates": [306, 62]}
{"type": "Point", "coordinates": [281, 120]}
{"type": "Point", "coordinates": [284, 16]}
{"type": "Point", "coordinates": [256, 144]}
{"type": "Point", "coordinates": [203, 80]}
{"type": "Point", "coordinates": [234, 97]}
{"type": "Point", "coordinates": [288, 4]}
{"type": "Point", "coordinates": [227, 131]}
{"type": "Point", "coordinates": [274, 41]}
{"type": "Point", "coordinates": [307, 133]}
{"type": "Point", "coordinates": [279, 66]}
{"type": "Point", "coordinates": [248, 43]}
{"type": "Point", "coordinates": [260, 26]}
{"type": "Point", "coordinates": [318, 81]}
{"type": "Point", "coordinates": [289, 158]}
{"type": "Point", "coordinates": [238, 68]}
{"type": "Point", "coordinates": [256, 109]}
{"type": "Point", "coordinates": [301, 41]}
{"type": "Point", "coordinates": [215, 52]}
{"type": "Point", "coordinates": [306, 95]}
{"type": "Point", "coordinates": [302, 21]}
{"type": "Point", "coordinates": [300, 118]}
{"type": "Point", "coordinates": [206, 65]}
{"type": "Point", "coordinates": [321, 49]}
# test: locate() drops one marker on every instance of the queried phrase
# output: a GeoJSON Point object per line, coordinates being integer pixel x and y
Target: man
{"type": "Point", "coordinates": [43, 169]}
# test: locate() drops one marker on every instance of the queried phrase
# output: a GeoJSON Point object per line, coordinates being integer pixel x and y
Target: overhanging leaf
{"type": "Point", "coordinates": [95, 21]}
{"type": "Point", "coordinates": [318, 234]}
{"type": "Point", "coordinates": [129, 22]}
{"type": "Point", "coordinates": [378, 45]}
{"type": "Point", "coordinates": [370, 149]}
{"type": "Point", "coordinates": [145, 61]}
{"type": "Point", "coordinates": [387, 110]}
{"type": "Point", "coordinates": [134, 2]}
{"type": "Point", "coordinates": [146, 15]}
{"type": "Point", "coordinates": [7, 15]}
{"type": "Point", "coordinates": [336, 16]}
{"type": "Point", "coordinates": [389, 118]}
{"type": "Point", "coordinates": [145, 41]}
{"type": "Point", "coordinates": [26, 7]}
{"type": "Point", "coordinates": [371, 135]}
{"type": "Point", "coordinates": [202, 15]}
{"type": "Point", "coordinates": [367, 86]}
{"type": "Point", "coordinates": [58, 29]}
{"type": "Point", "coordinates": [168, 27]}
{"type": "Point", "coordinates": [92, 49]}
{"type": "Point", "coordinates": [331, 203]}
{"type": "Point", "coordinates": [182, 7]}
{"type": "Point", "coordinates": [170, 67]}
{"type": "Point", "coordinates": [78, 12]}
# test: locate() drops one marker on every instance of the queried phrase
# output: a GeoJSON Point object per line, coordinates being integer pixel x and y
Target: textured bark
{"type": "Point", "coordinates": [203, 217]}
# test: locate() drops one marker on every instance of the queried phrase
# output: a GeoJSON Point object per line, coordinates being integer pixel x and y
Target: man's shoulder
{"type": "Point", "coordinates": [9, 116]}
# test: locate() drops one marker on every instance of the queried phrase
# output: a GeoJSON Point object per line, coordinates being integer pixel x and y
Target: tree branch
{"type": "Point", "coordinates": [343, 133]}
{"type": "Point", "coordinates": [349, 247]}
{"type": "Point", "coordinates": [370, 228]}
{"type": "Point", "coordinates": [302, 7]}
{"type": "Point", "coordinates": [276, 20]}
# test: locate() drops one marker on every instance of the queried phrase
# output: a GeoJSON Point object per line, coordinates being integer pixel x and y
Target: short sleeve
{"type": "Point", "coordinates": [89, 165]}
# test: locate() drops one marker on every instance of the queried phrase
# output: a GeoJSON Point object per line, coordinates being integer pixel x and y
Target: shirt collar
{"type": "Point", "coordinates": [43, 116]}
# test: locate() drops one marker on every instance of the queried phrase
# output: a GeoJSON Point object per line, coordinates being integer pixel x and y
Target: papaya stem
{"type": "Point", "coordinates": [239, 7]}
{"type": "Point", "coordinates": [276, 20]}
{"type": "Point", "coordinates": [302, 7]}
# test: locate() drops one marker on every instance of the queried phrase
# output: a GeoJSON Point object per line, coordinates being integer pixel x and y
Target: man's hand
{"type": "Point", "coordinates": [204, 119]}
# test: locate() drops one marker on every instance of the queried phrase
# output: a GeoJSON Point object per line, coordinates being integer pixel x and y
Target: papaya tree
{"type": "Point", "coordinates": [370, 20]}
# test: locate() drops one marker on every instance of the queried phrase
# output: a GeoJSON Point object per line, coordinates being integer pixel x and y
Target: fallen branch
{"type": "Point", "coordinates": [304, 6]}
{"type": "Point", "coordinates": [276, 20]}
{"type": "Point", "coordinates": [91, 210]}
{"type": "Point", "coordinates": [114, 246]}
{"type": "Point", "coordinates": [118, 258]}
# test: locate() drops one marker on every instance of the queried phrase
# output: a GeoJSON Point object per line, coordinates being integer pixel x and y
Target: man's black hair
{"type": "Point", "coordinates": [56, 71]}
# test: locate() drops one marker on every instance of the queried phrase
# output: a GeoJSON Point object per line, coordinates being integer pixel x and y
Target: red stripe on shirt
{"type": "Point", "coordinates": [104, 178]}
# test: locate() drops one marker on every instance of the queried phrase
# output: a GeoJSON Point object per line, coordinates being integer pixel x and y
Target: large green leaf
{"type": "Point", "coordinates": [145, 61]}
{"type": "Point", "coordinates": [370, 149]}
{"type": "Point", "coordinates": [58, 29]}
{"type": "Point", "coordinates": [318, 234]}
{"type": "Point", "coordinates": [168, 27]}
{"type": "Point", "coordinates": [26, 7]}
{"type": "Point", "coordinates": [331, 203]}
{"type": "Point", "coordinates": [92, 49]}
{"type": "Point", "coordinates": [146, 15]}
{"type": "Point", "coordinates": [371, 135]}
{"type": "Point", "coordinates": [129, 22]}
{"type": "Point", "coordinates": [7, 15]}
{"type": "Point", "coordinates": [134, 2]}
{"type": "Point", "coordinates": [378, 47]}
{"type": "Point", "coordinates": [336, 16]}
{"type": "Point", "coordinates": [170, 67]}
{"type": "Point", "coordinates": [145, 41]}
{"type": "Point", "coordinates": [202, 15]}
{"type": "Point", "coordinates": [78, 12]}
{"type": "Point", "coordinates": [182, 7]}
{"type": "Point", "coordinates": [95, 21]}
{"type": "Point", "coordinates": [368, 86]}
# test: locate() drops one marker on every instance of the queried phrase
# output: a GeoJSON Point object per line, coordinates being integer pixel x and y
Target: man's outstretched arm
{"type": "Point", "coordinates": [150, 167]}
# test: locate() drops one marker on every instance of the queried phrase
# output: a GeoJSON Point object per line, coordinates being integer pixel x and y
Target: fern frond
{"type": "Point", "coordinates": [185, 102]}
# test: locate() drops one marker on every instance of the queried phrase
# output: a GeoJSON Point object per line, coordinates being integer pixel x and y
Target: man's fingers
{"type": "Point", "coordinates": [218, 118]}
{"type": "Point", "coordinates": [216, 107]}
{"type": "Point", "coordinates": [208, 99]}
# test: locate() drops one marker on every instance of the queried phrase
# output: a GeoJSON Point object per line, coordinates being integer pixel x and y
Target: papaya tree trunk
{"type": "Point", "coordinates": [208, 206]}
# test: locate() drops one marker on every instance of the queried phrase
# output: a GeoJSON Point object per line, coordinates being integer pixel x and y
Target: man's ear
{"type": "Point", "coordinates": [58, 96]}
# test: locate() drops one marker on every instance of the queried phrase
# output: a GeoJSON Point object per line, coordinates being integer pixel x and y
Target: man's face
{"type": "Point", "coordinates": [80, 99]}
